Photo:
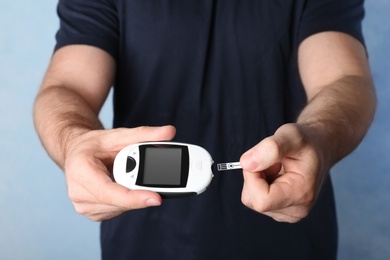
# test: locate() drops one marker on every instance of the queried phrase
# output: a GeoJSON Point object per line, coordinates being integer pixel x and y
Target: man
{"type": "Point", "coordinates": [288, 78]}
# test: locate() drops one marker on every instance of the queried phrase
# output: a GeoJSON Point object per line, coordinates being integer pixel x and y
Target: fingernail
{"type": "Point", "coordinates": [153, 203]}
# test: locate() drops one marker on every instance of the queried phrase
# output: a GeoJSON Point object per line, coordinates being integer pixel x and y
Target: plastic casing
{"type": "Point", "coordinates": [199, 177]}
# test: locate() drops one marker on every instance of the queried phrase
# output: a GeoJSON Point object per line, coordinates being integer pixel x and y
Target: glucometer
{"type": "Point", "coordinates": [168, 168]}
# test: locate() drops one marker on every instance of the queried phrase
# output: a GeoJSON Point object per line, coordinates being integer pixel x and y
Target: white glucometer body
{"type": "Point", "coordinates": [168, 168]}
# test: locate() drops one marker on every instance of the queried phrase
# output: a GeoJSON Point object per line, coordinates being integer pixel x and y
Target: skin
{"type": "Point", "coordinates": [283, 174]}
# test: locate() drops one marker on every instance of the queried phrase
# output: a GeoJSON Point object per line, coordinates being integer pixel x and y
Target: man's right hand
{"type": "Point", "coordinates": [88, 165]}
{"type": "Point", "coordinates": [66, 111]}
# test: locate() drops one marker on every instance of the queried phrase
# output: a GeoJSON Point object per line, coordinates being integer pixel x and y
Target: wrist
{"type": "Point", "coordinates": [60, 116]}
{"type": "Point", "coordinates": [325, 140]}
{"type": "Point", "coordinates": [69, 138]}
{"type": "Point", "coordinates": [60, 140]}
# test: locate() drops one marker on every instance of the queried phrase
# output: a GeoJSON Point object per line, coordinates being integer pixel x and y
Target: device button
{"type": "Point", "coordinates": [131, 163]}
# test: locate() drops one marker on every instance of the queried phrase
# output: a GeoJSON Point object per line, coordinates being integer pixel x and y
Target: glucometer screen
{"type": "Point", "coordinates": [163, 166]}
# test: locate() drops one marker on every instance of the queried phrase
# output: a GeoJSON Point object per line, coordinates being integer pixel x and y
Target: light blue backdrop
{"type": "Point", "coordinates": [37, 221]}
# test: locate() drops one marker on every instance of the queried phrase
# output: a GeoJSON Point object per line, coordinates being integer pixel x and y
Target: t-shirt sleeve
{"type": "Point", "coordinates": [332, 15]}
{"type": "Point", "coordinates": [90, 22]}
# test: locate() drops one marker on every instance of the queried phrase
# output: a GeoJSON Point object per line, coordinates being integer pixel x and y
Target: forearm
{"type": "Point", "coordinates": [340, 116]}
{"type": "Point", "coordinates": [61, 114]}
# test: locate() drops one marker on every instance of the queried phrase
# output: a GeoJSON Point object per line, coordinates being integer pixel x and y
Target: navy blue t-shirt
{"type": "Point", "coordinates": [225, 74]}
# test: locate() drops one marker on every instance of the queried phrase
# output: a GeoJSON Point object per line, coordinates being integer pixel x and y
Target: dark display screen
{"type": "Point", "coordinates": [163, 166]}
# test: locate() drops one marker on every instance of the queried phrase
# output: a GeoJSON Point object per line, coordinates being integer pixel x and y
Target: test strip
{"type": "Point", "coordinates": [228, 166]}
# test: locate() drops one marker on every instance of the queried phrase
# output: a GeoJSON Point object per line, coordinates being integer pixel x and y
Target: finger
{"type": "Point", "coordinates": [117, 195]}
{"type": "Point", "coordinates": [124, 136]}
{"type": "Point", "coordinates": [291, 214]}
{"type": "Point", "coordinates": [103, 216]}
{"type": "Point", "coordinates": [280, 217]}
{"type": "Point", "coordinates": [94, 210]}
{"type": "Point", "coordinates": [92, 184]}
{"type": "Point", "coordinates": [107, 192]}
{"type": "Point", "coordinates": [110, 142]}
{"type": "Point", "coordinates": [285, 191]}
{"type": "Point", "coordinates": [270, 151]}
{"type": "Point", "coordinates": [91, 207]}
{"type": "Point", "coordinates": [262, 156]}
{"type": "Point", "coordinates": [87, 201]}
{"type": "Point", "coordinates": [98, 212]}
{"type": "Point", "coordinates": [160, 133]}
{"type": "Point", "coordinates": [255, 191]}
{"type": "Point", "coordinates": [274, 172]}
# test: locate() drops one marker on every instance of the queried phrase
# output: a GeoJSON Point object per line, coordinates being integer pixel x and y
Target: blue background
{"type": "Point", "coordinates": [37, 221]}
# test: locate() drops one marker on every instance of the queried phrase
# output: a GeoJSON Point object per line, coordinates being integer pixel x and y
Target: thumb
{"type": "Point", "coordinates": [270, 151]}
{"type": "Point", "coordinates": [262, 156]}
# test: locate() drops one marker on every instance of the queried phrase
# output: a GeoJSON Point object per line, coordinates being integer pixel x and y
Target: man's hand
{"type": "Point", "coordinates": [66, 112]}
{"type": "Point", "coordinates": [283, 174]}
{"type": "Point", "coordinates": [88, 164]}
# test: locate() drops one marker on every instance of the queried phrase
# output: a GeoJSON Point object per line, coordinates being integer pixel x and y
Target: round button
{"type": "Point", "coordinates": [131, 163]}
